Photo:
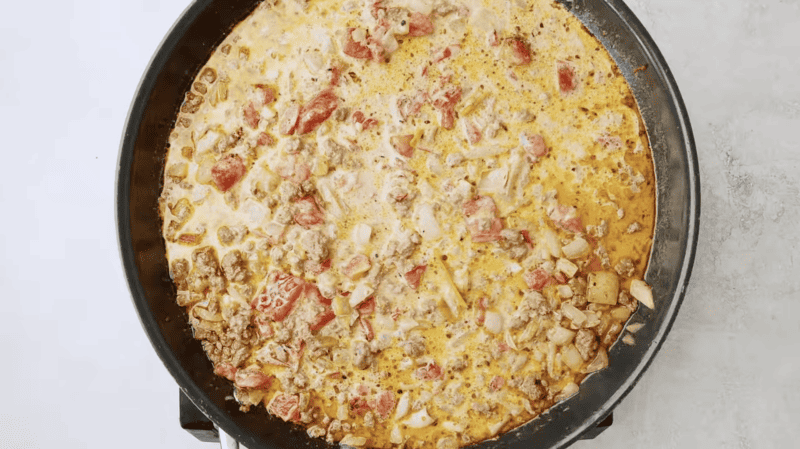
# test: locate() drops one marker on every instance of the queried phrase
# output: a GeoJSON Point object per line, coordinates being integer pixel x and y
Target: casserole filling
{"type": "Point", "coordinates": [416, 222]}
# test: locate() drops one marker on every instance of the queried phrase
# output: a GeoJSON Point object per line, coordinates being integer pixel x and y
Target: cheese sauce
{"type": "Point", "coordinates": [412, 222]}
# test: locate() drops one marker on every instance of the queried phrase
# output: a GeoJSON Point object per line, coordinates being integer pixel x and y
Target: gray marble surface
{"type": "Point", "coordinates": [78, 370]}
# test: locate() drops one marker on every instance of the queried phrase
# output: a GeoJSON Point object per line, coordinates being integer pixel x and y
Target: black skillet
{"type": "Point", "coordinates": [175, 64]}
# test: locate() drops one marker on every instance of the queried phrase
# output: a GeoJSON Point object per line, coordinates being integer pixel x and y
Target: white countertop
{"type": "Point", "coordinates": [79, 371]}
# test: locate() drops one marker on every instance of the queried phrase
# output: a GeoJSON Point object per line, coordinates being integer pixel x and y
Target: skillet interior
{"type": "Point", "coordinates": [151, 117]}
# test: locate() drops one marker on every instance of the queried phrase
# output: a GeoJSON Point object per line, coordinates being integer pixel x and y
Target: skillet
{"type": "Point", "coordinates": [181, 55]}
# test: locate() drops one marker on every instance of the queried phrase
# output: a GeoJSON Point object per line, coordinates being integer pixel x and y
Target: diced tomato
{"type": "Point", "coordinates": [366, 326]}
{"type": "Point", "coordinates": [269, 93]}
{"type": "Point", "coordinates": [288, 120]}
{"type": "Point", "coordinates": [366, 123]}
{"type": "Point", "coordinates": [446, 52]}
{"type": "Point", "coordinates": [482, 220]}
{"type": "Point", "coordinates": [409, 106]}
{"type": "Point", "coordinates": [251, 116]}
{"type": "Point", "coordinates": [307, 213]}
{"type": "Point", "coordinates": [419, 24]}
{"type": "Point", "coordinates": [444, 100]}
{"type": "Point", "coordinates": [482, 304]}
{"type": "Point", "coordinates": [503, 347]}
{"type": "Point", "coordinates": [321, 320]}
{"type": "Point", "coordinates": [279, 296]}
{"type": "Point", "coordinates": [252, 378]}
{"type": "Point", "coordinates": [610, 142]}
{"type": "Point", "coordinates": [414, 276]}
{"type": "Point", "coordinates": [566, 218]}
{"type": "Point", "coordinates": [225, 370]}
{"type": "Point", "coordinates": [533, 144]}
{"type": "Point", "coordinates": [366, 307]}
{"type": "Point", "coordinates": [384, 404]}
{"type": "Point", "coordinates": [396, 314]}
{"type": "Point", "coordinates": [431, 371]}
{"type": "Point", "coordinates": [312, 291]}
{"type": "Point", "coordinates": [293, 169]}
{"type": "Point", "coordinates": [527, 236]}
{"type": "Point", "coordinates": [336, 73]}
{"type": "Point", "coordinates": [356, 266]}
{"type": "Point", "coordinates": [472, 131]}
{"type": "Point", "coordinates": [519, 53]}
{"type": "Point", "coordinates": [494, 39]}
{"type": "Point", "coordinates": [189, 238]}
{"type": "Point", "coordinates": [595, 264]}
{"type": "Point", "coordinates": [566, 77]}
{"type": "Point", "coordinates": [227, 172]}
{"type": "Point", "coordinates": [317, 268]}
{"type": "Point", "coordinates": [265, 139]}
{"type": "Point", "coordinates": [285, 406]}
{"type": "Point", "coordinates": [316, 111]}
{"type": "Point", "coordinates": [402, 144]}
{"type": "Point", "coordinates": [359, 406]}
{"type": "Point", "coordinates": [538, 279]}
{"type": "Point", "coordinates": [496, 383]}
{"type": "Point", "coordinates": [355, 49]}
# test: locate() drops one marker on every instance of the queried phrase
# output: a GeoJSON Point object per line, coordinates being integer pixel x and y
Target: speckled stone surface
{"type": "Point", "coordinates": [79, 372]}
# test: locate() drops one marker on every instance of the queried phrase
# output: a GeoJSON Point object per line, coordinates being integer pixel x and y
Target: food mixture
{"type": "Point", "coordinates": [408, 222]}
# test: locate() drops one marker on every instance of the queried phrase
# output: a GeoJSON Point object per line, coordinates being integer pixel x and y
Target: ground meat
{"type": "Point", "coordinates": [513, 241]}
{"type": "Point", "coordinates": [586, 343]}
{"type": "Point", "coordinates": [362, 355]}
{"type": "Point", "coordinates": [205, 261]}
{"type": "Point", "coordinates": [531, 388]}
{"type": "Point", "coordinates": [414, 346]}
{"type": "Point", "coordinates": [235, 266]}
{"type": "Point", "coordinates": [625, 267]}
{"type": "Point", "coordinates": [334, 151]}
{"type": "Point", "coordinates": [578, 286]}
{"type": "Point", "coordinates": [611, 334]}
{"type": "Point", "coordinates": [283, 215]}
{"type": "Point", "coordinates": [538, 304]}
{"type": "Point", "coordinates": [179, 270]}
{"type": "Point", "coordinates": [341, 113]}
{"type": "Point", "coordinates": [457, 364]}
{"type": "Point", "coordinates": [288, 191]}
{"type": "Point", "coordinates": [316, 245]}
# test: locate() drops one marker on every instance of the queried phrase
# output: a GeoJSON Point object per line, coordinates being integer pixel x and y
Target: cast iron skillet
{"type": "Point", "coordinates": [139, 178]}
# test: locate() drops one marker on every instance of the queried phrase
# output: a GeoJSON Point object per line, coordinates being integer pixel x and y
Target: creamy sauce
{"type": "Point", "coordinates": [523, 125]}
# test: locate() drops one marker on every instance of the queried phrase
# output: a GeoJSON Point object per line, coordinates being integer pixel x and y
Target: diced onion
{"type": "Point", "coordinates": [643, 293]}
{"type": "Point", "coordinates": [576, 248]}
{"type": "Point", "coordinates": [396, 436]}
{"type": "Point", "coordinates": [493, 322]}
{"type": "Point", "coordinates": [419, 420]}
{"type": "Point", "coordinates": [634, 328]}
{"type": "Point", "coordinates": [351, 440]}
{"type": "Point", "coordinates": [572, 358]}
{"type": "Point", "coordinates": [403, 404]}
{"type": "Point", "coordinates": [577, 316]}
{"type": "Point", "coordinates": [569, 390]}
{"type": "Point", "coordinates": [566, 267]}
{"type": "Point", "coordinates": [495, 428]}
{"type": "Point", "coordinates": [560, 336]}
{"type": "Point", "coordinates": [600, 361]}
{"type": "Point", "coordinates": [360, 293]}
